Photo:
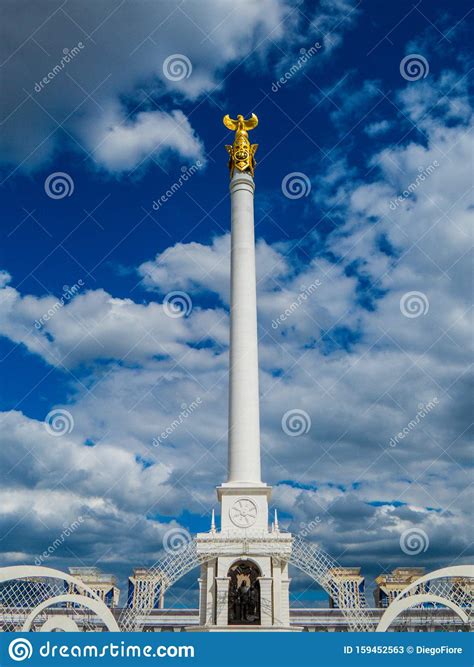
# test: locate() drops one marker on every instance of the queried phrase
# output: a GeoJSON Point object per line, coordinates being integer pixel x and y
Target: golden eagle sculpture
{"type": "Point", "coordinates": [242, 152]}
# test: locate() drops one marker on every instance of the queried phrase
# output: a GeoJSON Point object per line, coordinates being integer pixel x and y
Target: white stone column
{"type": "Point", "coordinates": [244, 427]}
{"type": "Point", "coordinates": [285, 602]}
{"type": "Point", "coordinates": [202, 581]}
{"type": "Point", "coordinates": [209, 592]}
{"type": "Point", "coordinates": [222, 600]}
{"type": "Point", "coordinates": [276, 573]}
{"type": "Point", "coordinates": [266, 602]}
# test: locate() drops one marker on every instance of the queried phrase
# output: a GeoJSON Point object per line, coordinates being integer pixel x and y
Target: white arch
{"type": "Point", "coordinates": [24, 571]}
{"type": "Point", "coordinates": [243, 559]}
{"type": "Point", "coordinates": [92, 600]}
{"type": "Point", "coordinates": [96, 606]}
{"type": "Point", "coordinates": [400, 605]}
{"type": "Point", "coordinates": [451, 571]}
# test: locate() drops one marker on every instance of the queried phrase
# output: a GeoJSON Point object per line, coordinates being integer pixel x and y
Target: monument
{"type": "Point", "coordinates": [244, 583]}
{"type": "Point", "coordinates": [243, 587]}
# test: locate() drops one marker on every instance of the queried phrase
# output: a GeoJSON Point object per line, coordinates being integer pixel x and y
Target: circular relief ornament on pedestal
{"type": "Point", "coordinates": [243, 513]}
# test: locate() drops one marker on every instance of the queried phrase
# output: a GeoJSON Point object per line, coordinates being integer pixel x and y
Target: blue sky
{"type": "Point", "coordinates": [359, 130]}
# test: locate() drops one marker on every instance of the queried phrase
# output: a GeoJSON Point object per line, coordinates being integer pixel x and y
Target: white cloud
{"type": "Point", "coordinates": [63, 480]}
{"type": "Point", "coordinates": [120, 145]}
{"type": "Point", "coordinates": [94, 325]}
{"type": "Point", "coordinates": [332, 19]}
{"type": "Point", "coordinates": [377, 128]}
{"type": "Point", "coordinates": [196, 267]}
{"type": "Point", "coordinates": [87, 472]}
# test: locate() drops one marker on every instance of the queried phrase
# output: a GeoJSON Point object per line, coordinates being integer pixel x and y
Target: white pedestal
{"type": "Point", "coordinates": [269, 552]}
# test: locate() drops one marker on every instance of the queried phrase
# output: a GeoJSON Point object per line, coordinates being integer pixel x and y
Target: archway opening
{"type": "Point", "coordinates": [244, 593]}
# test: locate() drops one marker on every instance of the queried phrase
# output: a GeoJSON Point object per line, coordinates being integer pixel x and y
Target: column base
{"type": "Point", "coordinates": [243, 628]}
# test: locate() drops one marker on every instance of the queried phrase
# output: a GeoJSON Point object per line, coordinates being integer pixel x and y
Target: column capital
{"type": "Point", "coordinates": [242, 181]}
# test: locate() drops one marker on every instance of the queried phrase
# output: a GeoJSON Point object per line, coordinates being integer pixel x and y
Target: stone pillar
{"type": "Point", "coordinates": [202, 581]}
{"type": "Point", "coordinates": [209, 593]}
{"type": "Point", "coordinates": [276, 572]}
{"type": "Point", "coordinates": [244, 427]}
{"type": "Point", "coordinates": [222, 600]}
{"type": "Point", "coordinates": [285, 601]}
{"type": "Point", "coordinates": [266, 606]}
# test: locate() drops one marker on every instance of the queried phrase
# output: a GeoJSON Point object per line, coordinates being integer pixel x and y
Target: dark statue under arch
{"type": "Point", "coordinates": [244, 593]}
